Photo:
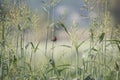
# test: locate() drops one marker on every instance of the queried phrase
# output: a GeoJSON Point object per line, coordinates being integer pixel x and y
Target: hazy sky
{"type": "Point", "coordinates": [71, 7]}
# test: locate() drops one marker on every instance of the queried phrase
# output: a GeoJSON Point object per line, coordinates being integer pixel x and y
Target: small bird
{"type": "Point", "coordinates": [54, 39]}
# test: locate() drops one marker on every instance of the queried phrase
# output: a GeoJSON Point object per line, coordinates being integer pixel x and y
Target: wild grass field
{"type": "Point", "coordinates": [35, 46]}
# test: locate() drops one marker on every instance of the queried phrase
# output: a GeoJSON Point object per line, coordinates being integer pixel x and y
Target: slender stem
{"type": "Point", "coordinates": [77, 62]}
{"type": "Point", "coordinates": [46, 45]}
{"type": "Point", "coordinates": [47, 34]}
{"type": "Point", "coordinates": [117, 77]}
{"type": "Point", "coordinates": [3, 44]}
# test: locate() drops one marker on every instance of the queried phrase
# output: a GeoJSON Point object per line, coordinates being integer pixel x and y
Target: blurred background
{"type": "Point", "coordinates": [69, 11]}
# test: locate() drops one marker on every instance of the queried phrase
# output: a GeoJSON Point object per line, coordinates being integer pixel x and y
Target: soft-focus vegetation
{"type": "Point", "coordinates": [30, 49]}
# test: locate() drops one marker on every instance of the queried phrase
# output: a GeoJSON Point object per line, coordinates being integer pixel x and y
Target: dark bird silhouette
{"type": "Point", "coordinates": [54, 39]}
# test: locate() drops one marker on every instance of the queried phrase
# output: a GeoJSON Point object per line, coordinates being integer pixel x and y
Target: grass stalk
{"type": "Point", "coordinates": [3, 45]}
{"type": "Point", "coordinates": [117, 76]}
{"type": "Point", "coordinates": [77, 62]}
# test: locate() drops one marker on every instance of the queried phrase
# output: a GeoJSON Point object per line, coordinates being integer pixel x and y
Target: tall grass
{"type": "Point", "coordinates": [19, 56]}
